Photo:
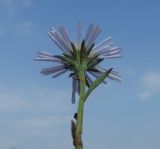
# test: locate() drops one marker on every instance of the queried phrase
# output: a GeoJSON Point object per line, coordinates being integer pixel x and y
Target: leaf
{"type": "Point", "coordinates": [68, 56]}
{"type": "Point", "coordinates": [83, 44]}
{"type": "Point", "coordinates": [82, 51]}
{"type": "Point", "coordinates": [74, 52]}
{"type": "Point", "coordinates": [97, 82]}
{"type": "Point", "coordinates": [68, 66]}
{"type": "Point", "coordinates": [92, 69]}
{"type": "Point", "coordinates": [93, 57]}
{"type": "Point", "coordinates": [94, 62]}
{"type": "Point", "coordinates": [87, 82]}
{"type": "Point", "coordinates": [89, 50]}
{"type": "Point", "coordinates": [71, 74]}
{"type": "Point", "coordinates": [64, 59]}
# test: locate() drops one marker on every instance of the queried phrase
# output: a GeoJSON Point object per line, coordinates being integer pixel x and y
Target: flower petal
{"type": "Point", "coordinates": [59, 38]}
{"type": "Point", "coordinates": [79, 27]}
{"type": "Point", "coordinates": [48, 60]}
{"type": "Point", "coordinates": [73, 100]}
{"type": "Point", "coordinates": [113, 75]}
{"type": "Point", "coordinates": [65, 36]}
{"type": "Point", "coordinates": [40, 53]}
{"type": "Point", "coordinates": [109, 52]}
{"type": "Point", "coordinates": [103, 44]}
{"type": "Point", "coordinates": [89, 79]}
{"type": "Point", "coordinates": [93, 36]}
{"type": "Point", "coordinates": [113, 56]}
{"type": "Point", "coordinates": [51, 70]}
{"type": "Point", "coordinates": [60, 73]}
{"type": "Point", "coordinates": [76, 85]}
{"type": "Point", "coordinates": [56, 42]}
{"type": "Point", "coordinates": [96, 75]}
{"type": "Point", "coordinates": [44, 56]}
{"type": "Point", "coordinates": [101, 51]}
{"type": "Point", "coordinates": [89, 32]}
{"type": "Point", "coordinates": [113, 51]}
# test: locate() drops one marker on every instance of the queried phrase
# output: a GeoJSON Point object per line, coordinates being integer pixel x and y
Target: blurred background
{"type": "Point", "coordinates": [35, 111]}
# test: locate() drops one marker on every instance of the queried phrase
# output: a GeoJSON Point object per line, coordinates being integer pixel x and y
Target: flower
{"type": "Point", "coordinates": [82, 53]}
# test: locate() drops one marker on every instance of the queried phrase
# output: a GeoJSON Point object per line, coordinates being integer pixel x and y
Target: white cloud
{"type": "Point", "coordinates": [150, 85]}
{"type": "Point", "coordinates": [151, 80]}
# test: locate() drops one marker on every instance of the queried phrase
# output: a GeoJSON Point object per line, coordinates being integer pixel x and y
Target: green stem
{"type": "Point", "coordinates": [79, 124]}
{"type": "Point", "coordinates": [77, 127]}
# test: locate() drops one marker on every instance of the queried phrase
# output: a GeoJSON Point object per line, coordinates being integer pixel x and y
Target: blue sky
{"type": "Point", "coordinates": [35, 111]}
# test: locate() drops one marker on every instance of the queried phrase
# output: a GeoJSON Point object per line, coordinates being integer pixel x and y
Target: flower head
{"type": "Point", "coordinates": [83, 54]}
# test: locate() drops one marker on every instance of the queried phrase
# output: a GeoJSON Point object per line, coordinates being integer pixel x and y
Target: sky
{"type": "Point", "coordinates": [35, 111]}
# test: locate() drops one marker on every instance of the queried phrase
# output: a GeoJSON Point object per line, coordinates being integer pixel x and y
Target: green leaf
{"type": "Point", "coordinates": [64, 59]}
{"type": "Point", "coordinates": [97, 82]}
{"type": "Point", "coordinates": [92, 69]}
{"type": "Point", "coordinates": [83, 44]}
{"type": "Point", "coordinates": [87, 82]}
{"type": "Point", "coordinates": [93, 57]}
{"type": "Point", "coordinates": [68, 66]}
{"type": "Point", "coordinates": [68, 56]}
{"type": "Point", "coordinates": [71, 74]}
{"type": "Point", "coordinates": [82, 51]}
{"type": "Point", "coordinates": [89, 50]}
{"type": "Point", "coordinates": [94, 62]}
{"type": "Point", "coordinates": [74, 52]}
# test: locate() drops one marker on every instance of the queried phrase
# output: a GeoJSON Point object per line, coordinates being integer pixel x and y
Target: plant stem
{"type": "Point", "coordinates": [77, 127]}
{"type": "Point", "coordinates": [79, 124]}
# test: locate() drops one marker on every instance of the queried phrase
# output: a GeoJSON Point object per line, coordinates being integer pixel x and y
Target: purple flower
{"type": "Point", "coordinates": [82, 52]}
